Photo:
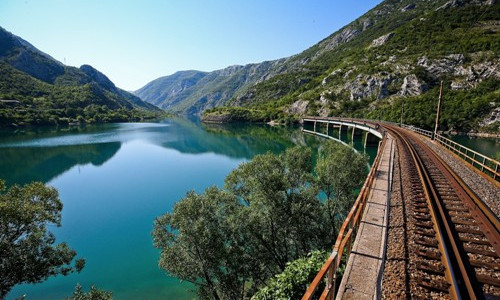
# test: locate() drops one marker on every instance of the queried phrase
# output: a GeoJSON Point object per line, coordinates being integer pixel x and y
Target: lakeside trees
{"type": "Point", "coordinates": [27, 250]}
{"type": "Point", "coordinates": [338, 177]}
{"type": "Point", "coordinates": [272, 211]}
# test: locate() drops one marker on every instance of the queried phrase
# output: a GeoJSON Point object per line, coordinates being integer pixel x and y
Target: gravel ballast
{"type": "Point", "coordinates": [483, 188]}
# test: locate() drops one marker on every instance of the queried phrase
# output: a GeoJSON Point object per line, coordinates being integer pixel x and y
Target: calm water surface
{"type": "Point", "coordinates": [487, 146]}
{"type": "Point", "coordinates": [115, 179]}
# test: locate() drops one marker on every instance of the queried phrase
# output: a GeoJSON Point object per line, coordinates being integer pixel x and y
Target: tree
{"type": "Point", "coordinates": [340, 171]}
{"type": "Point", "coordinates": [230, 242]}
{"type": "Point", "coordinates": [282, 219]}
{"type": "Point", "coordinates": [27, 250]}
{"type": "Point", "coordinates": [93, 294]}
{"type": "Point", "coordinates": [197, 244]}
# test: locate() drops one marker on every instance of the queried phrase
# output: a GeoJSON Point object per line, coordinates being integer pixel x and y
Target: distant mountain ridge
{"type": "Point", "coordinates": [398, 51]}
{"type": "Point", "coordinates": [49, 92]}
{"type": "Point", "coordinates": [192, 92]}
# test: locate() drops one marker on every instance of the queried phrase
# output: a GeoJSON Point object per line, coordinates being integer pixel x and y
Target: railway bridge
{"type": "Point", "coordinates": [425, 224]}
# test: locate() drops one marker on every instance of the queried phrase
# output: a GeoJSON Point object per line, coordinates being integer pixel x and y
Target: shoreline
{"type": "Point", "coordinates": [474, 134]}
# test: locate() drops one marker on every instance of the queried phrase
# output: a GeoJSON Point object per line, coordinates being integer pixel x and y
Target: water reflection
{"type": "Point", "coordinates": [233, 140]}
{"type": "Point", "coordinates": [43, 153]}
{"type": "Point", "coordinates": [26, 164]}
{"type": "Point", "coordinates": [127, 175]}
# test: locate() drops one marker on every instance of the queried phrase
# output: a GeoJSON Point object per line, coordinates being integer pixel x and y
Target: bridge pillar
{"type": "Point", "coordinates": [356, 132]}
{"type": "Point", "coordinates": [371, 140]}
{"type": "Point", "coordinates": [350, 134]}
{"type": "Point", "coordinates": [314, 126]}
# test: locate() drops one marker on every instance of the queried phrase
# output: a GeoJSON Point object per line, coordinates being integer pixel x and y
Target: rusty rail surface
{"type": "Point", "coordinates": [345, 238]}
{"type": "Point", "coordinates": [438, 180]}
{"type": "Point", "coordinates": [436, 214]}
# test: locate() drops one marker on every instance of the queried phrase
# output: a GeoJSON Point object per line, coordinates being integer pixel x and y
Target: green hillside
{"type": "Point", "coordinates": [37, 89]}
{"type": "Point", "coordinates": [399, 51]}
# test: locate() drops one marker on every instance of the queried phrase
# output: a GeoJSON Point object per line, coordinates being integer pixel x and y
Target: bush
{"type": "Point", "coordinates": [294, 280]}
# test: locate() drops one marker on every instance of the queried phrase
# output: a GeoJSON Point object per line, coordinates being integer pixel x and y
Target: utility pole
{"type": "Point", "coordinates": [402, 107]}
{"type": "Point", "coordinates": [438, 109]}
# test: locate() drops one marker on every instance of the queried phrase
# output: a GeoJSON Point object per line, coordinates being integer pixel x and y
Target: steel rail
{"type": "Point", "coordinates": [436, 213]}
{"type": "Point", "coordinates": [487, 220]}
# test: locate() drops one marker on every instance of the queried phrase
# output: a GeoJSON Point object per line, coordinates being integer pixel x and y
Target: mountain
{"type": "Point", "coordinates": [191, 92]}
{"type": "Point", "coordinates": [37, 89]}
{"type": "Point", "coordinates": [397, 52]}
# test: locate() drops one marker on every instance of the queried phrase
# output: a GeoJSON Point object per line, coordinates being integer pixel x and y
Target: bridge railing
{"type": "Point", "coordinates": [344, 241]}
{"type": "Point", "coordinates": [482, 162]}
{"type": "Point", "coordinates": [423, 132]}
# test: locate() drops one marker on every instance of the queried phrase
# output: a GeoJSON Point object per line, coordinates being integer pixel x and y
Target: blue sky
{"type": "Point", "coordinates": [134, 42]}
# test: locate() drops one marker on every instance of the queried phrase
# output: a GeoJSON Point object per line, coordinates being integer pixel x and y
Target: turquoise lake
{"type": "Point", "coordinates": [115, 179]}
{"type": "Point", "coordinates": [487, 146]}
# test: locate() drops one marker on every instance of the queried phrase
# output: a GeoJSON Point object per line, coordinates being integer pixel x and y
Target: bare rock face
{"type": "Point", "coordinates": [367, 23]}
{"type": "Point", "coordinates": [364, 86]}
{"type": "Point", "coordinates": [334, 41]}
{"type": "Point", "coordinates": [328, 78]}
{"type": "Point", "coordinates": [459, 3]}
{"type": "Point", "coordinates": [408, 7]}
{"type": "Point", "coordinates": [476, 72]}
{"type": "Point", "coordinates": [299, 107]}
{"type": "Point", "coordinates": [382, 40]}
{"type": "Point", "coordinates": [412, 86]}
{"type": "Point", "coordinates": [467, 74]}
{"type": "Point", "coordinates": [444, 66]}
{"type": "Point", "coordinates": [492, 118]}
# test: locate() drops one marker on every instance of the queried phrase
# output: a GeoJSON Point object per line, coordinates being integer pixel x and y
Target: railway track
{"type": "Point", "coordinates": [455, 239]}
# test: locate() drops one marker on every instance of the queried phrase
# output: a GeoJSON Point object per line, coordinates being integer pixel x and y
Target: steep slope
{"type": "Point", "coordinates": [35, 88]}
{"type": "Point", "coordinates": [192, 92]}
{"type": "Point", "coordinates": [165, 91]}
{"type": "Point", "coordinates": [399, 51]}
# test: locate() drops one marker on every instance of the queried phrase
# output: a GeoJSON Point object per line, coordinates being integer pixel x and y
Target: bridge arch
{"type": "Point", "coordinates": [372, 134]}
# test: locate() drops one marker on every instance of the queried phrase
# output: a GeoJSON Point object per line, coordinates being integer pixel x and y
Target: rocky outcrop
{"type": "Point", "coordinates": [494, 117]}
{"type": "Point", "coordinates": [344, 36]}
{"type": "Point", "coordinates": [329, 78]}
{"type": "Point", "coordinates": [467, 74]}
{"type": "Point", "coordinates": [439, 67]}
{"type": "Point", "coordinates": [367, 23]}
{"type": "Point", "coordinates": [364, 86]}
{"type": "Point", "coordinates": [382, 40]}
{"type": "Point", "coordinates": [412, 86]}
{"type": "Point", "coordinates": [298, 107]}
{"type": "Point", "coordinates": [459, 3]}
{"type": "Point", "coordinates": [408, 7]}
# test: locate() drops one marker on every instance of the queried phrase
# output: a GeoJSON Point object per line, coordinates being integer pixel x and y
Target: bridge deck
{"type": "Point", "coordinates": [364, 268]}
